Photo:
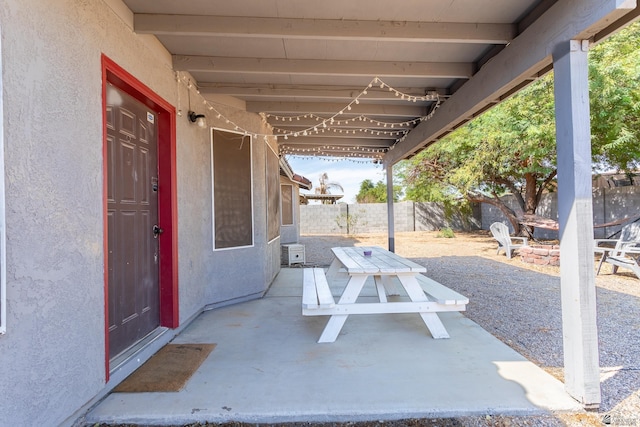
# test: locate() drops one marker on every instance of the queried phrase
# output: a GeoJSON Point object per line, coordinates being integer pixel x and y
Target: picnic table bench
{"type": "Point", "coordinates": [392, 274]}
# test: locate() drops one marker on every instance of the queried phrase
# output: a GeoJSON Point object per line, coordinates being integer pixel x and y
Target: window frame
{"type": "Point", "coordinates": [272, 177]}
{"type": "Point", "coordinates": [213, 186]}
{"type": "Point", "coordinates": [282, 210]}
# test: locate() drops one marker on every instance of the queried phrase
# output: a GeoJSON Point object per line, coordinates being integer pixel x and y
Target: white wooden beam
{"type": "Point", "coordinates": [324, 29]}
{"type": "Point", "coordinates": [352, 152]}
{"type": "Point", "coordinates": [305, 123]}
{"type": "Point", "coordinates": [3, 224]}
{"type": "Point", "coordinates": [316, 141]}
{"type": "Point", "coordinates": [320, 92]}
{"type": "Point", "coordinates": [575, 217]}
{"type": "Point", "coordinates": [408, 110]}
{"type": "Point", "coordinates": [341, 134]}
{"type": "Point", "coordinates": [626, 20]}
{"type": "Point", "coordinates": [391, 238]}
{"type": "Point", "coordinates": [524, 57]}
{"type": "Point", "coordinates": [219, 64]}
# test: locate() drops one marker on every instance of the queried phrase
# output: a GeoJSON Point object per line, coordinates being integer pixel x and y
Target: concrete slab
{"type": "Point", "coordinates": [268, 368]}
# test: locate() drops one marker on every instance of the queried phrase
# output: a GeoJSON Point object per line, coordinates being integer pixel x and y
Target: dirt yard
{"type": "Point", "coordinates": [465, 245]}
{"type": "Point", "coordinates": [520, 304]}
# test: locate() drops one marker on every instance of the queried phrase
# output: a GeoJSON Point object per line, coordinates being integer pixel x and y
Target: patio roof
{"type": "Point", "coordinates": [368, 78]}
{"type": "Point", "coordinates": [323, 197]}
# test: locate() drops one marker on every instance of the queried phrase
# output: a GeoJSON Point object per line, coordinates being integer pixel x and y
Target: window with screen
{"type": "Point", "coordinates": [273, 195]}
{"type": "Point", "coordinates": [286, 191]}
{"type": "Point", "coordinates": [232, 189]}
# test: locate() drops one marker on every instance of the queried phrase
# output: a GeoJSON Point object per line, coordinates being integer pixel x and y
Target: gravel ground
{"type": "Point", "coordinates": [527, 316]}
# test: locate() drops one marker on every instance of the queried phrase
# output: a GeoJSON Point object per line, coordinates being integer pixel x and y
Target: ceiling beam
{"type": "Point", "coordinates": [354, 154]}
{"type": "Point", "coordinates": [305, 123]}
{"type": "Point", "coordinates": [311, 91]}
{"type": "Point", "coordinates": [526, 56]}
{"type": "Point", "coordinates": [314, 141]}
{"type": "Point", "coordinates": [410, 110]}
{"type": "Point", "coordinates": [324, 29]}
{"type": "Point", "coordinates": [303, 150]}
{"type": "Point", "coordinates": [396, 132]}
{"type": "Point", "coordinates": [626, 20]}
{"type": "Point", "coordinates": [343, 134]}
{"type": "Point", "coordinates": [217, 64]}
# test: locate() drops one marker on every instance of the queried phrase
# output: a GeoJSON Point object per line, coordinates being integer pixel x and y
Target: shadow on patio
{"type": "Point", "coordinates": [268, 368]}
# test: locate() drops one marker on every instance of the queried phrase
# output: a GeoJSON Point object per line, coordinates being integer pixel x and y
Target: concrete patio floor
{"type": "Point", "coordinates": [268, 368]}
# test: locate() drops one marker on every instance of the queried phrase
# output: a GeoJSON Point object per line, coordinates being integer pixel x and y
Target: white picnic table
{"type": "Point", "coordinates": [383, 266]}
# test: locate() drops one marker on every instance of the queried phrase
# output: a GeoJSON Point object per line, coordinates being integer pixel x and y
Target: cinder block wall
{"type": "Point", "coordinates": [435, 216]}
{"type": "Point", "coordinates": [372, 218]}
{"type": "Point", "coordinates": [321, 219]}
{"type": "Point", "coordinates": [609, 204]}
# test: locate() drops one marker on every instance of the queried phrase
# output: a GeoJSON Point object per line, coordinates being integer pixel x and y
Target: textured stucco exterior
{"type": "Point", "coordinates": [291, 233]}
{"type": "Point", "coordinates": [52, 357]}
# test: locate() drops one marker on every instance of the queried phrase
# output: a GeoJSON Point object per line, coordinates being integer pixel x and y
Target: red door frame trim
{"type": "Point", "coordinates": [167, 197]}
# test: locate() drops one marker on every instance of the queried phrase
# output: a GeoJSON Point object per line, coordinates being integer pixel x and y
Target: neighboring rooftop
{"type": "Point", "coordinates": [332, 198]}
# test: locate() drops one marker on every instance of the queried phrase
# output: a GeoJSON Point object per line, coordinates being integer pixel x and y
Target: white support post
{"type": "Point", "coordinates": [575, 212]}
{"type": "Point", "coordinates": [3, 224]}
{"type": "Point", "coordinates": [390, 220]}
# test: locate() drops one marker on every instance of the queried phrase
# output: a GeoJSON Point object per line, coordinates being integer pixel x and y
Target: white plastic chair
{"type": "Point", "coordinates": [626, 252]}
{"type": "Point", "coordinates": [506, 242]}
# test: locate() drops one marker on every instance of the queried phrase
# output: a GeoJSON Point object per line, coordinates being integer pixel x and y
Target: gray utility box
{"type": "Point", "coordinates": [292, 254]}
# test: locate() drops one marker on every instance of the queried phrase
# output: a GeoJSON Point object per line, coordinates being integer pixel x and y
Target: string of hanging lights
{"type": "Point", "coordinates": [334, 123]}
{"type": "Point", "coordinates": [335, 159]}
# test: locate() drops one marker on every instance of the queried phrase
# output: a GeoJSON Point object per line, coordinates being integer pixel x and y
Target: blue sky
{"type": "Point", "coordinates": [349, 174]}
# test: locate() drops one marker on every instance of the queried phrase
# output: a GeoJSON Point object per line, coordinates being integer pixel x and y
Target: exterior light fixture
{"type": "Point", "coordinates": [199, 119]}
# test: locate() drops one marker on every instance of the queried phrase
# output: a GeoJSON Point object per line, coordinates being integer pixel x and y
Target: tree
{"type": "Point", "coordinates": [614, 74]}
{"type": "Point", "coordinates": [508, 149]}
{"type": "Point", "coordinates": [370, 193]}
{"type": "Point", "coordinates": [325, 186]}
{"type": "Point", "coordinates": [511, 148]}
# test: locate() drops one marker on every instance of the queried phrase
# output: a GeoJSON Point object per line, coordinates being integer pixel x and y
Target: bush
{"type": "Point", "coordinates": [446, 232]}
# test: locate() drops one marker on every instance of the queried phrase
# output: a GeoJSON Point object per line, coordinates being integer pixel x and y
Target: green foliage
{"type": "Point", "coordinates": [614, 76]}
{"type": "Point", "coordinates": [511, 148]}
{"type": "Point", "coordinates": [350, 222]}
{"type": "Point", "coordinates": [494, 154]}
{"type": "Point", "coordinates": [446, 233]}
{"type": "Point", "coordinates": [376, 193]}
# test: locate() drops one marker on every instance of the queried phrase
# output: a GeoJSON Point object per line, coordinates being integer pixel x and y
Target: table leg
{"type": "Point", "coordinates": [431, 320]}
{"type": "Point", "coordinates": [336, 321]}
{"type": "Point", "coordinates": [392, 287]}
{"type": "Point", "coordinates": [333, 269]}
{"type": "Point", "coordinates": [382, 293]}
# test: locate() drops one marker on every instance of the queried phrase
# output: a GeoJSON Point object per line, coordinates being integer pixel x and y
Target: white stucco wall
{"type": "Point", "coordinates": [291, 233]}
{"type": "Point", "coordinates": [52, 358]}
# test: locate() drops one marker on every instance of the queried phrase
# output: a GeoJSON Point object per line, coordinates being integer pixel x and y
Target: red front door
{"type": "Point", "coordinates": [132, 218]}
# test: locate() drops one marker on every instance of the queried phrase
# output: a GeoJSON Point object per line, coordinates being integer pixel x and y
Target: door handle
{"type": "Point", "coordinates": [157, 231]}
